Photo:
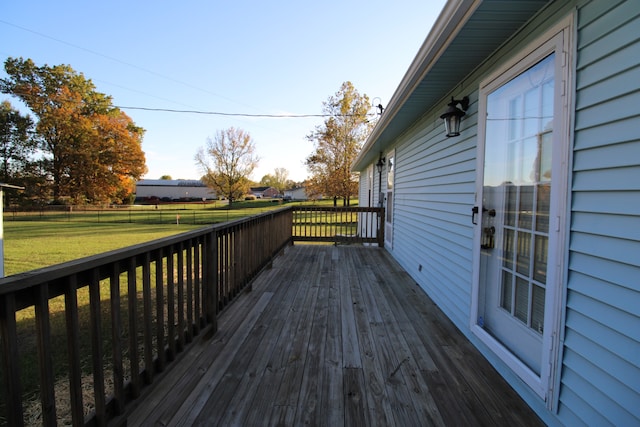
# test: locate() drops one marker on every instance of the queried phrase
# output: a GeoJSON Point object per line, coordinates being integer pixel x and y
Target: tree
{"type": "Point", "coordinates": [91, 150]}
{"type": "Point", "coordinates": [17, 142]}
{"type": "Point", "coordinates": [166, 178]}
{"type": "Point", "coordinates": [227, 161]}
{"type": "Point", "coordinates": [18, 145]}
{"type": "Point", "coordinates": [337, 143]}
{"type": "Point", "coordinates": [279, 180]}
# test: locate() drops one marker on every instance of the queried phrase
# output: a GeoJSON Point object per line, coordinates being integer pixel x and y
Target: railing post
{"type": "Point", "coordinates": [289, 219]}
{"type": "Point", "coordinates": [381, 228]}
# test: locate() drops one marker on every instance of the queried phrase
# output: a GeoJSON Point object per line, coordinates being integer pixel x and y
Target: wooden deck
{"type": "Point", "coordinates": [333, 336]}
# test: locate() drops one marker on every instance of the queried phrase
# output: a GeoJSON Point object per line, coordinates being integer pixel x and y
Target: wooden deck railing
{"type": "Point", "coordinates": [94, 332]}
{"type": "Point", "coordinates": [338, 224]}
{"type": "Point", "coordinates": [144, 305]}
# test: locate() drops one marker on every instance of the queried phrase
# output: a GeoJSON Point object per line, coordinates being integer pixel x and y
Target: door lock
{"type": "Point", "coordinates": [488, 239]}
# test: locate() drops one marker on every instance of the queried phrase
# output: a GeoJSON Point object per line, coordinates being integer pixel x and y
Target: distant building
{"type": "Point", "coordinates": [261, 192]}
{"type": "Point", "coordinates": [173, 189]}
{"type": "Point", "coordinates": [299, 193]}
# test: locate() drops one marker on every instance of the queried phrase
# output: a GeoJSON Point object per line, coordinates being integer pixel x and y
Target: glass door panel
{"type": "Point", "coordinates": [517, 186]}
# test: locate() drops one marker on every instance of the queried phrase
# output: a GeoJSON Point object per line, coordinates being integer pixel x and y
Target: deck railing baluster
{"type": "Point", "coordinates": [180, 295]}
{"type": "Point", "coordinates": [43, 328]}
{"type": "Point", "coordinates": [189, 284]}
{"type": "Point", "coordinates": [99, 396]}
{"type": "Point", "coordinates": [147, 313]}
{"type": "Point", "coordinates": [116, 345]}
{"type": "Point", "coordinates": [160, 312]}
{"type": "Point", "coordinates": [171, 307]}
{"type": "Point", "coordinates": [73, 348]}
{"type": "Point", "coordinates": [134, 359]}
{"type": "Point", "coordinates": [11, 360]}
{"type": "Point", "coordinates": [337, 224]}
{"type": "Point", "coordinates": [198, 311]}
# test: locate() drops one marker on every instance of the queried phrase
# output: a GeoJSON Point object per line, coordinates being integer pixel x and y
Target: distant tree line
{"type": "Point", "coordinates": [79, 149]}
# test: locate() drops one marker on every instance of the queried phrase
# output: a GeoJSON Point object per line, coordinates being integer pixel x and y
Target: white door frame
{"type": "Point", "coordinates": [390, 171]}
{"type": "Point", "coordinates": [559, 40]}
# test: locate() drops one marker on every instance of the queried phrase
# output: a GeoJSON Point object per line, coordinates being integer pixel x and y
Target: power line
{"type": "Point", "coordinates": [111, 58]}
{"type": "Point", "coordinates": [219, 113]}
{"type": "Point", "coordinates": [213, 113]}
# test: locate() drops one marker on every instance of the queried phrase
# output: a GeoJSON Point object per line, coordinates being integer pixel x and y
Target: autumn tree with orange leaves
{"type": "Point", "coordinates": [337, 143]}
{"type": "Point", "coordinates": [89, 150]}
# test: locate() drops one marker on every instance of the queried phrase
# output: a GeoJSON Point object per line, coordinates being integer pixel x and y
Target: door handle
{"type": "Point", "coordinates": [475, 210]}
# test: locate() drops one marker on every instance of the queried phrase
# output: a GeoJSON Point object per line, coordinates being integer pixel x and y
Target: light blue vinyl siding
{"type": "Point", "coordinates": [600, 380]}
{"type": "Point", "coordinates": [434, 189]}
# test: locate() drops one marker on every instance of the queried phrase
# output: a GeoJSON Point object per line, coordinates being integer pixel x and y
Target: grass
{"type": "Point", "coordinates": [34, 244]}
{"type": "Point", "coordinates": [40, 239]}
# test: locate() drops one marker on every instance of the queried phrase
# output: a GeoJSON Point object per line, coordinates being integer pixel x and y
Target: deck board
{"type": "Point", "coordinates": [332, 336]}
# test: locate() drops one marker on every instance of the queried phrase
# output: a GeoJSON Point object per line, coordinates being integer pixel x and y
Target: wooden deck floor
{"type": "Point", "coordinates": [333, 336]}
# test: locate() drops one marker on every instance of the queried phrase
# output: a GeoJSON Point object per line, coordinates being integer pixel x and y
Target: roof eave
{"type": "Point", "coordinates": [451, 19]}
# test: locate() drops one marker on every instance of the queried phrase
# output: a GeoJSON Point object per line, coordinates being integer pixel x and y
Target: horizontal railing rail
{"type": "Point", "coordinates": [95, 332]}
{"type": "Point", "coordinates": [338, 224]}
{"type": "Point", "coordinates": [109, 323]}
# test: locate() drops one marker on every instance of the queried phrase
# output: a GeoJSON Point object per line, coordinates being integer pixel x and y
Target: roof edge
{"type": "Point", "coordinates": [451, 19]}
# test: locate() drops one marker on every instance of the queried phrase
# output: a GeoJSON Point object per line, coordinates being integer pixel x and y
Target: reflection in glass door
{"type": "Point", "coordinates": [516, 195]}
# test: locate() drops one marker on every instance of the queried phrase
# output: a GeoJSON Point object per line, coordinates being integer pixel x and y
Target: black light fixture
{"type": "Point", "coordinates": [453, 116]}
{"type": "Point", "coordinates": [379, 167]}
{"type": "Point", "coordinates": [380, 164]}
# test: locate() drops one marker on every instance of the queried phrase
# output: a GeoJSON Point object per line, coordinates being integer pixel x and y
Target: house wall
{"type": "Point", "coordinates": [296, 194]}
{"type": "Point", "coordinates": [599, 376]}
{"type": "Point", "coordinates": [434, 192]}
{"type": "Point", "coordinates": [600, 382]}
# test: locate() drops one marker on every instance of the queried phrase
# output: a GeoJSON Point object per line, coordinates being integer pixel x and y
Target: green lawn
{"type": "Point", "coordinates": [34, 244]}
{"type": "Point", "coordinates": [40, 239]}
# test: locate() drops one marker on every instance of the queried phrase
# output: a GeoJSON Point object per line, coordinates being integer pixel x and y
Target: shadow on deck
{"type": "Point", "coordinates": [332, 336]}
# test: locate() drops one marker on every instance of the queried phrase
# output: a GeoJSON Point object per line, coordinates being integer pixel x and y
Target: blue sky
{"type": "Point", "coordinates": [248, 57]}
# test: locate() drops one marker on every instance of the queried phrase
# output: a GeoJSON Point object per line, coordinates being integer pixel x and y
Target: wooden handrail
{"type": "Point", "coordinates": [146, 304]}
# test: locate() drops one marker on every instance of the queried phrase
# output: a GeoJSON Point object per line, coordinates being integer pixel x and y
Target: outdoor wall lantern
{"type": "Point", "coordinates": [379, 167]}
{"type": "Point", "coordinates": [453, 116]}
{"type": "Point", "coordinates": [380, 164]}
